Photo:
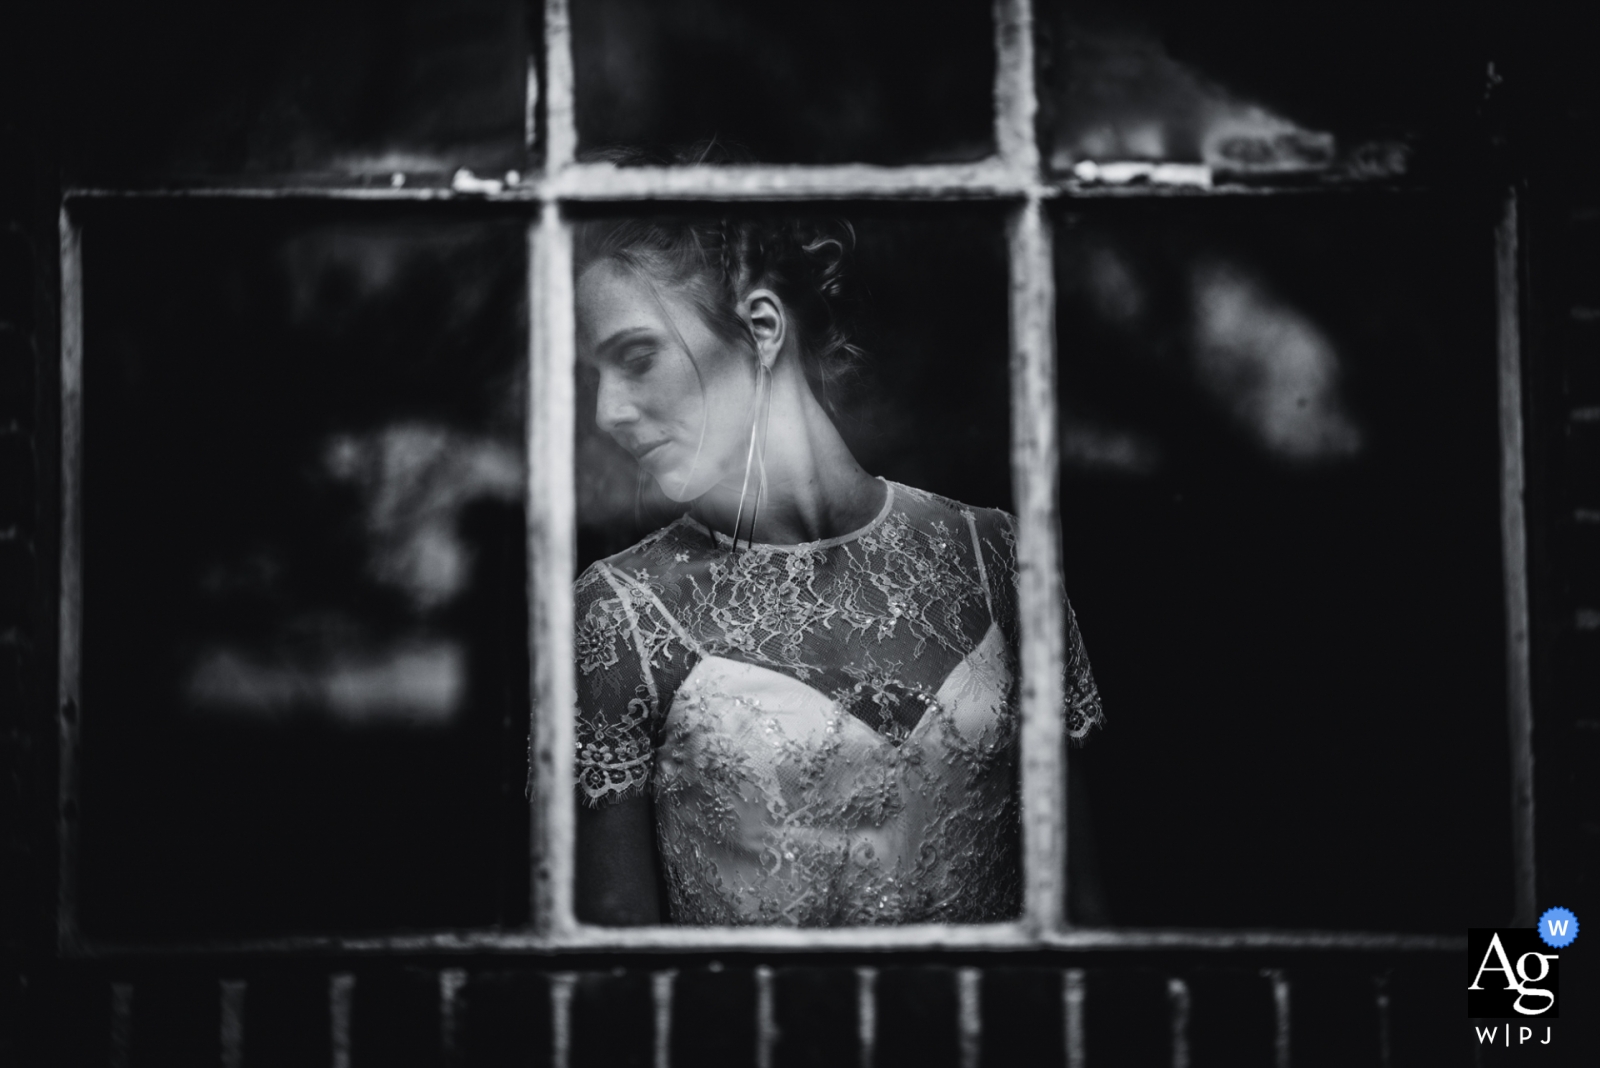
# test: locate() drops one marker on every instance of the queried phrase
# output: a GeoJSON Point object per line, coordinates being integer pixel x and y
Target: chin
{"type": "Point", "coordinates": [683, 486]}
{"type": "Point", "coordinates": [675, 487]}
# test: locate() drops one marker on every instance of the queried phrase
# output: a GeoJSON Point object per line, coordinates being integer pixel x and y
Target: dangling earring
{"type": "Point", "coordinates": [759, 410]}
{"type": "Point", "coordinates": [638, 496]}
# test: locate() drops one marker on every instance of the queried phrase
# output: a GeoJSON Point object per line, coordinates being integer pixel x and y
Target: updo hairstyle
{"type": "Point", "coordinates": [715, 260]}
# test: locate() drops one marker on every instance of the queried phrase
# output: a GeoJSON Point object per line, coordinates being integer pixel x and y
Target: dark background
{"type": "Point", "coordinates": [1294, 612]}
{"type": "Point", "coordinates": [246, 768]}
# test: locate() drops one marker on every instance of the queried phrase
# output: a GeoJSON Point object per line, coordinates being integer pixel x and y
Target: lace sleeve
{"type": "Point", "coordinates": [617, 700]}
{"type": "Point", "coordinates": [1080, 696]}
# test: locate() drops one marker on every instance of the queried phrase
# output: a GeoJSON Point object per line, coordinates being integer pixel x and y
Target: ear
{"type": "Point", "coordinates": [768, 320]}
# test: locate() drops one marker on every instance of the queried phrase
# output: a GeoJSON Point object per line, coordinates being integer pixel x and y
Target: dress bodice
{"type": "Point", "coordinates": [829, 730]}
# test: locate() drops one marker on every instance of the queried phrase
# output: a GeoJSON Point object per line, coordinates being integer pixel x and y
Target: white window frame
{"type": "Point", "coordinates": [1014, 177]}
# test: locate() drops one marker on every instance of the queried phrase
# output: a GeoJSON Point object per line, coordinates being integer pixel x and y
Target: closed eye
{"type": "Point", "coordinates": [636, 359]}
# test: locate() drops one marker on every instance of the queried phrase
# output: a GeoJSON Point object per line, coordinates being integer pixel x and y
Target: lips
{"type": "Point", "coordinates": [641, 453]}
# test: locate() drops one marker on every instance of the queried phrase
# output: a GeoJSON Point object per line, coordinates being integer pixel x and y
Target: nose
{"type": "Point", "coordinates": [613, 408]}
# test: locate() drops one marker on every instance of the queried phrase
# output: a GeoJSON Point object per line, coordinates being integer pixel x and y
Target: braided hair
{"type": "Point", "coordinates": [716, 260]}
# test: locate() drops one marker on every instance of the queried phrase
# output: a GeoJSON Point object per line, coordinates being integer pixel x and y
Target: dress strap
{"type": "Point", "coordinates": [977, 554]}
{"type": "Point", "coordinates": [640, 589]}
{"type": "Point", "coordinates": [615, 581]}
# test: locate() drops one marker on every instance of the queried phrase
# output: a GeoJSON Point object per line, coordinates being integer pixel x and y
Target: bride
{"type": "Point", "coordinates": [797, 701]}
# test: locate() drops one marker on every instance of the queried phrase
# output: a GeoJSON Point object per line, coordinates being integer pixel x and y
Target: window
{"type": "Point", "coordinates": [319, 391]}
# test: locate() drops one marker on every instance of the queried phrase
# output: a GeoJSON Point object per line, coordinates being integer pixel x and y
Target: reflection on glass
{"type": "Point", "coordinates": [839, 81]}
{"type": "Point", "coordinates": [1280, 512]}
{"type": "Point", "coordinates": [796, 698]}
{"type": "Point", "coordinates": [305, 688]}
{"type": "Point", "coordinates": [351, 88]}
{"type": "Point", "coordinates": [1194, 95]}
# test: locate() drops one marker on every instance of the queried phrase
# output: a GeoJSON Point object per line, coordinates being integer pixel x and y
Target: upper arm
{"type": "Point", "coordinates": [1080, 696]}
{"type": "Point", "coordinates": [616, 696]}
{"type": "Point", "coordinates": [617, 880]}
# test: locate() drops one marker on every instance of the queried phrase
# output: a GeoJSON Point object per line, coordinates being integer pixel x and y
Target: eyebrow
{"type": "Point", "coordinates": [627, 333]}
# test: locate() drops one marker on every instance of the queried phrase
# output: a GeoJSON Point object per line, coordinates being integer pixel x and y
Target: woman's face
{"type": "Point", "coordinates": [689, 431]}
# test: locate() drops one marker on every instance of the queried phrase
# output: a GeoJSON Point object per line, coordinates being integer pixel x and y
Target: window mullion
{"type": "Point", "coordinates": [1514, 549]}
{"type": "Point", "coordinates": [551, 525]}
{"type": "Point", "coordinates": [1016, 98]}
{"type": "Point", "coordinates": [70, 623]}
{"type": "Point", "coordinates": [560, 123]}
{"type": "Point", "coordinates": [1033, 466]}
{"type": "Point", "coordinates": [551, 503]}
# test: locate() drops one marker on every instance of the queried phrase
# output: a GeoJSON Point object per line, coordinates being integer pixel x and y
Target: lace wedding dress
{"type": "Point", "coordinates": [828, 730]}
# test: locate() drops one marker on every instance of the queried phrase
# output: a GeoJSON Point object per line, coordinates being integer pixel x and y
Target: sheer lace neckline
{"type": "Point", "coordinates": [874, 523]}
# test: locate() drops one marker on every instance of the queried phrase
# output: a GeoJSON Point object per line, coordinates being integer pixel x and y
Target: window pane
{"type": "Point", "coordinates": [305, 690]}
{"type": "Point", "coordinates": [1258, 91]}
{"type": "Point", "coordinates": [834, 82]}
{"type": "Point", "coordinates": [823, 719]}
{"type": "Point", "coordinates": [353, 89]}
{"type": "Point", "coordinates": [1280, 510]}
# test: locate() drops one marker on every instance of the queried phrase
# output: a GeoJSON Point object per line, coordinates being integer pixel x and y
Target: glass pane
{"type": "Point", "coordinates": [1245, 90]}
{"type": "Point", "coordinates": [1281, 522]}
{"type": "Point", "coordinates": [834, 82]}
{"type": "Point", "coordinates": [870, 625]}
{"type": "Point", "coordinates": [305, 691]}
{"type": "Point", "coordinates": [353, 88]}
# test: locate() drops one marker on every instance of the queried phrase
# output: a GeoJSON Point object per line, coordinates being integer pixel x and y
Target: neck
{"type": "Point", "coordinates": [814, 487]}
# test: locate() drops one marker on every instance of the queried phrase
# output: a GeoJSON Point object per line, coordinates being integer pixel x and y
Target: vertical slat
{"type": "Point", "coordinates": [561, 987]}
{"type": "Point", "coordinates": [550, 562]}
{"type": "Point", "coordinates": [561, 132]}
{"type": "Point", "coordinates": [1280, 1015]}
{"type": "Point", "coordinates": [867, 1015]}
{"type": "Point", "coordinates": [1072, 996]}
{"type": "Point", "coordinates": [121, 1051]}
{"type": "Point", "coordinates": [1178, 1000]}
{"type": "Point", "coordinates": [766, 1018]}
{"type": "Point", "coordinates": [1380, 990]}
{"type": "Point", "coordinates": [68, 707]}
{"type": "Point", "coordinates": [969, 1018]}
{"type": "Point", "coordinates": [1015, 100]}
{"type": "Point", "coordinates": [451, 980]}
{"type": "Point", "coordinates": [341, 993]}
{"type": "Point", "coordinates": [661, 1000]}
{"type": "Point", "coordinates": [1033, 458]}
{"type": "Point", "coordinates": [231, 1035]}
{"type": "Point", "coordinates": [1514, 549]}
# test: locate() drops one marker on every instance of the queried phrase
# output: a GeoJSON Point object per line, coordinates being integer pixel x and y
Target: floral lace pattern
{"type": "Point", "coordinates": [829, 730]}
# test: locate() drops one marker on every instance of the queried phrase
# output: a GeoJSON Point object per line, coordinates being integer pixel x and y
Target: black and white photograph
{"type": "Point", "coordinates": [677, 533]}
